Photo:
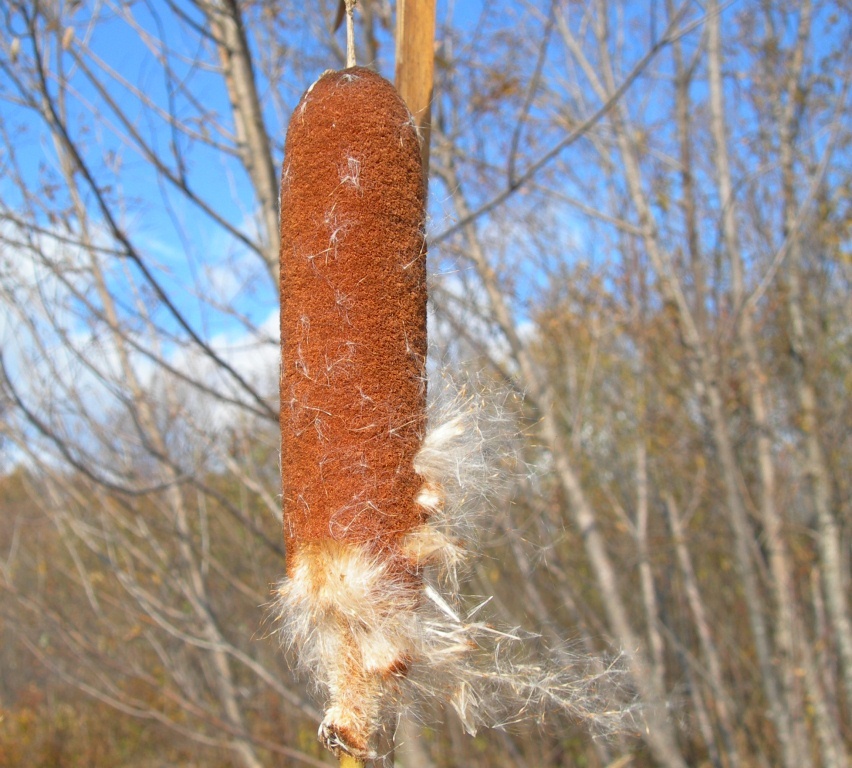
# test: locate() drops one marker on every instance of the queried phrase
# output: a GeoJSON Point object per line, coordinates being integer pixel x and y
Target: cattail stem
{"type": "Point", "coordinates": [415, 64]}
{"type": "Point", "coordinates": [347, 761]}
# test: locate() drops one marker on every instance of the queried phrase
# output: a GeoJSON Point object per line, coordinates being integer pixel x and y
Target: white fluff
{"type": "Point", "coordinates": [374, 640]}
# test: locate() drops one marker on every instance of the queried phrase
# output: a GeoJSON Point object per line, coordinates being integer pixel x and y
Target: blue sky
{"type": "Point", "coordinates": [201, 264]}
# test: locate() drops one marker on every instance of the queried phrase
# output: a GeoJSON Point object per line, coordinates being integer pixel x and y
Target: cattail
{"type": "Point", "coordinates": [379, 506]}
{"type": "Point", "coordinates": [353, 394]}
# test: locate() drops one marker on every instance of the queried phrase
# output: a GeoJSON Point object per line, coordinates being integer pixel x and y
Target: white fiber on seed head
{"type": "Point", "coordinates": [372, 639]}
{"type": "Point", "coordinates": [376, 642]}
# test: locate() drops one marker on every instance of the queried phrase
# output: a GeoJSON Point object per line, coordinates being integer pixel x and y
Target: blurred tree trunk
{"type": "Point", "coordinates": [786, 703]}
{"type": "Point", "coordinates": [817, 473]}
{"type": "Point", "coordinates": [226, 24]}
{"type": "Point", "coordinates": [658, 732]}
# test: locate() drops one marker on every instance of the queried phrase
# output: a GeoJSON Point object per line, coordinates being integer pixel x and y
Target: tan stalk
{"type": "Point", "coordinates": [415, 64]}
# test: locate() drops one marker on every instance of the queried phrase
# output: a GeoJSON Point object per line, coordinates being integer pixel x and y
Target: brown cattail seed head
{"type": "Point", "coordinates": [353, 395]}
{"type": "Point", "coordinates": [369, 600]}
{"type": "Point", "coordinates": [353, 314]}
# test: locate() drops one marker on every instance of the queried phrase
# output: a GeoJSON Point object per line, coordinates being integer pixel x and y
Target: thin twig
{"type": "Point", "coordinates": [350, 39]}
